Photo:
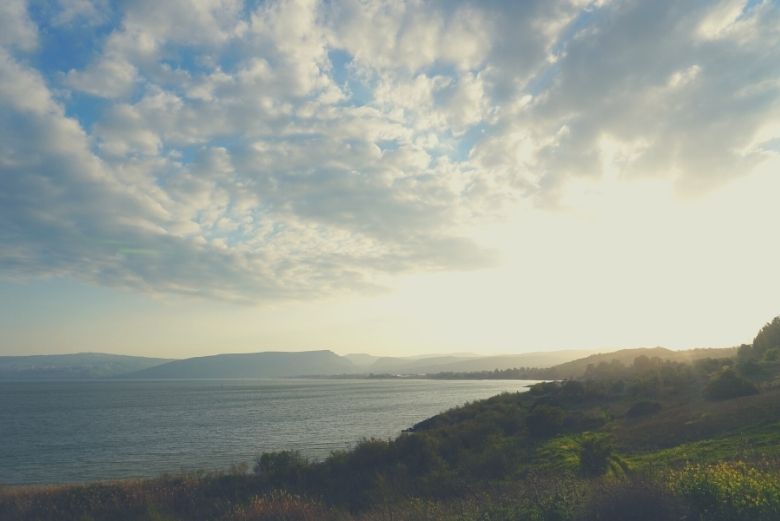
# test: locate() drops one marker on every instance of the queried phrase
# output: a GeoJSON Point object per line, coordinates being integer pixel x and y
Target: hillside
{"type": "Point", "coordinates": [578, 368]}
{"type": "Point", "coordinates": [269, 364]}
{"type": "Point", "coordinates": [361, 359]}
{"type": "Point", "coordinates": [460, 363]}
{"type": "Point", "coordinates": [597, 365]}
{"type": "Point", "coordinates": [73, 366]}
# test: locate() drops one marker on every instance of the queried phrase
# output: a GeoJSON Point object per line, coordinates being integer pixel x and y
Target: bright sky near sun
{"type": "Point", "coordinates": [192, 177]}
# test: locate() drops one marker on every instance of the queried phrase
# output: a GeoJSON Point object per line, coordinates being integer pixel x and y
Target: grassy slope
{"type": "Point", "coordinates": [577, 368]}
{"type": "Point", "coordinates": [745, 426]}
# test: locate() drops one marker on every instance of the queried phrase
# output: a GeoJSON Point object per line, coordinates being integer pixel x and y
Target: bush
{"type": "Point", "coordinates": [729, 492]}
{"type": "Point", "coordinates": [595, 453]}
{"type": "Point", "coordinates": [644, 387]}
{"type": "Point", "coordinates": [282, 506]}
{"type": "Point", "coordinates": [578, 421]}
{"type": "Point", "coordinates": [635, 500]}
{"type": "Point", "coordinates": [418, 453]}
{"type": "Point", "coordinates": [573, 390]}
{"type": "Point", "coordinates": [545, 421]}
{"type": "Point", "coordinates": [643, 408]}
{"type": "Point", "coordinates": [728, 384]}
{"type": "Point", "coordinates": [286, 467]}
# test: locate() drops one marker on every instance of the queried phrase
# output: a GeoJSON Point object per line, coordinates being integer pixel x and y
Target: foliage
{"type": "Point", "coordinates": [287, 466]}
{"type": "Point", "coordinates": [595, 454]}
{"type": "Point", "coordinates": [729, 491]}
{"type": "Point", "coordinates": [635, 499]}
{"type": "Point", "coordinates": [728, 384]}
{"type": "Point", "coordinates": [194, 497]}
{"type": "Point", "coordinates": [767, 341]}
{"type": "Point", "coordinates": [283, 506]}
{"type": "Point", "coordinates": [545, 421]}
{"type": "Point", "coordinates": [765, 348]}
{"type": "Point", "coordinates": [643, 408]}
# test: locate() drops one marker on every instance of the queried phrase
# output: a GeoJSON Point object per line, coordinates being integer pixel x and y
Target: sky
{"type": "Point", "coordinates": [184, 178]}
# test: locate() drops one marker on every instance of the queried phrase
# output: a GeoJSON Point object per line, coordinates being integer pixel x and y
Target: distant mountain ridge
{"type": "Point", "coordinates": [268, 364]}
{"type": "Point", "coordinates": [281, 364]}
{"type": "Point", "coordinates": [73, 366]}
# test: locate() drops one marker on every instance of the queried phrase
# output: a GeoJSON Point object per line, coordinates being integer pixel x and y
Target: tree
{"type": "Point", "coordinates": [597, 456]}
{"type": "Point", "coordinates": [766, 345]}
{"type": "Point", "coordinates": [643, 408]}
{"type": "Point", "coordinates": [544, 421]}
{"type": "Point", "coordinates": [728, 384]}
{"type": "Point", "coordinates": [282, 468]}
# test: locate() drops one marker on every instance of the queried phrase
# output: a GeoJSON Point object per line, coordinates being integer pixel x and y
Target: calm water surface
{"type": "Point", "coordinates": [54, 432]}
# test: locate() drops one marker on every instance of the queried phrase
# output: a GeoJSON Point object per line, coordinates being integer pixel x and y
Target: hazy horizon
{"type": "Point", "coordinates": [421, 355]}
{"type": "Point", "coordinates": [387, 178]}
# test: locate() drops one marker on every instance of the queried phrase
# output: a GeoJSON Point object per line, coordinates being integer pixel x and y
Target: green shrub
{"type": "Point", "coordinates": [545, 421]}
{"type": "Point", "coordinates": [632, 500]}
{"type": "Point", "coordinates": [587, 420]}
{"type": "Point", "coordinates": [644, 386]}
{"type": "Point", "coordinates": [728, 384]}
{"type": "Point", "coordinates": [643, 408]}
{"type": "Point", "coordinates": [731, 491]}
{"type": "Point", "coordinates": [595, 453]}
{"type": "Point", "coordinates": [418, 453]}
{"type": "Point", "coordinates": [286, 467]}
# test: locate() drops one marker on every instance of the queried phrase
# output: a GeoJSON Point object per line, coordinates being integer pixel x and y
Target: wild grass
{"type": "Point", "coordinates": [196, 497]}
{"type": "Point", "coordinates": [731, 491]}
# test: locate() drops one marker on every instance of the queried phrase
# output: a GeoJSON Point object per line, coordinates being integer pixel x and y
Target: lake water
{"type": "Point", "coordinates": [55, 432]}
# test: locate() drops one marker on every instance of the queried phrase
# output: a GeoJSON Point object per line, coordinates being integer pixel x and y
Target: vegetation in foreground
{"type": "Point", "coordinates": [653, 439]}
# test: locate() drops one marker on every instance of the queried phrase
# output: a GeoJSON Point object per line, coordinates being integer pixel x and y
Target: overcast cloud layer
{"type": "Point", "coordinates": [265, 150]}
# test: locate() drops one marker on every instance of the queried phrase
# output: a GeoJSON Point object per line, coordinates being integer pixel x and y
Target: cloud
{"type": "Point", "coordinates": [293, 149]}
{"type": "Point", "coordinates": [16, 28]}
{"type": "Point", "coordinates": [680, 105]}
{"type": "Point", "coordinates": [81, 13]}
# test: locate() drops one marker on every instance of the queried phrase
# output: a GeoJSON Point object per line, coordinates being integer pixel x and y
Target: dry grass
{"type": "Point", "coordinates": [282, 506]}
{"type": "Point", "coordinates": [195, 498]}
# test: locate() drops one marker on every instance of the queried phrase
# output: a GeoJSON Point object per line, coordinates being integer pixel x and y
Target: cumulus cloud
{"type": "Point", "coordinates": [80, 12]}
{"type": "Point", "coordinates": [679, 104]}
{"type": "Point", "coordinates": [295, 148]}
{"type": "Point", "coordinates": [16, 28]}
